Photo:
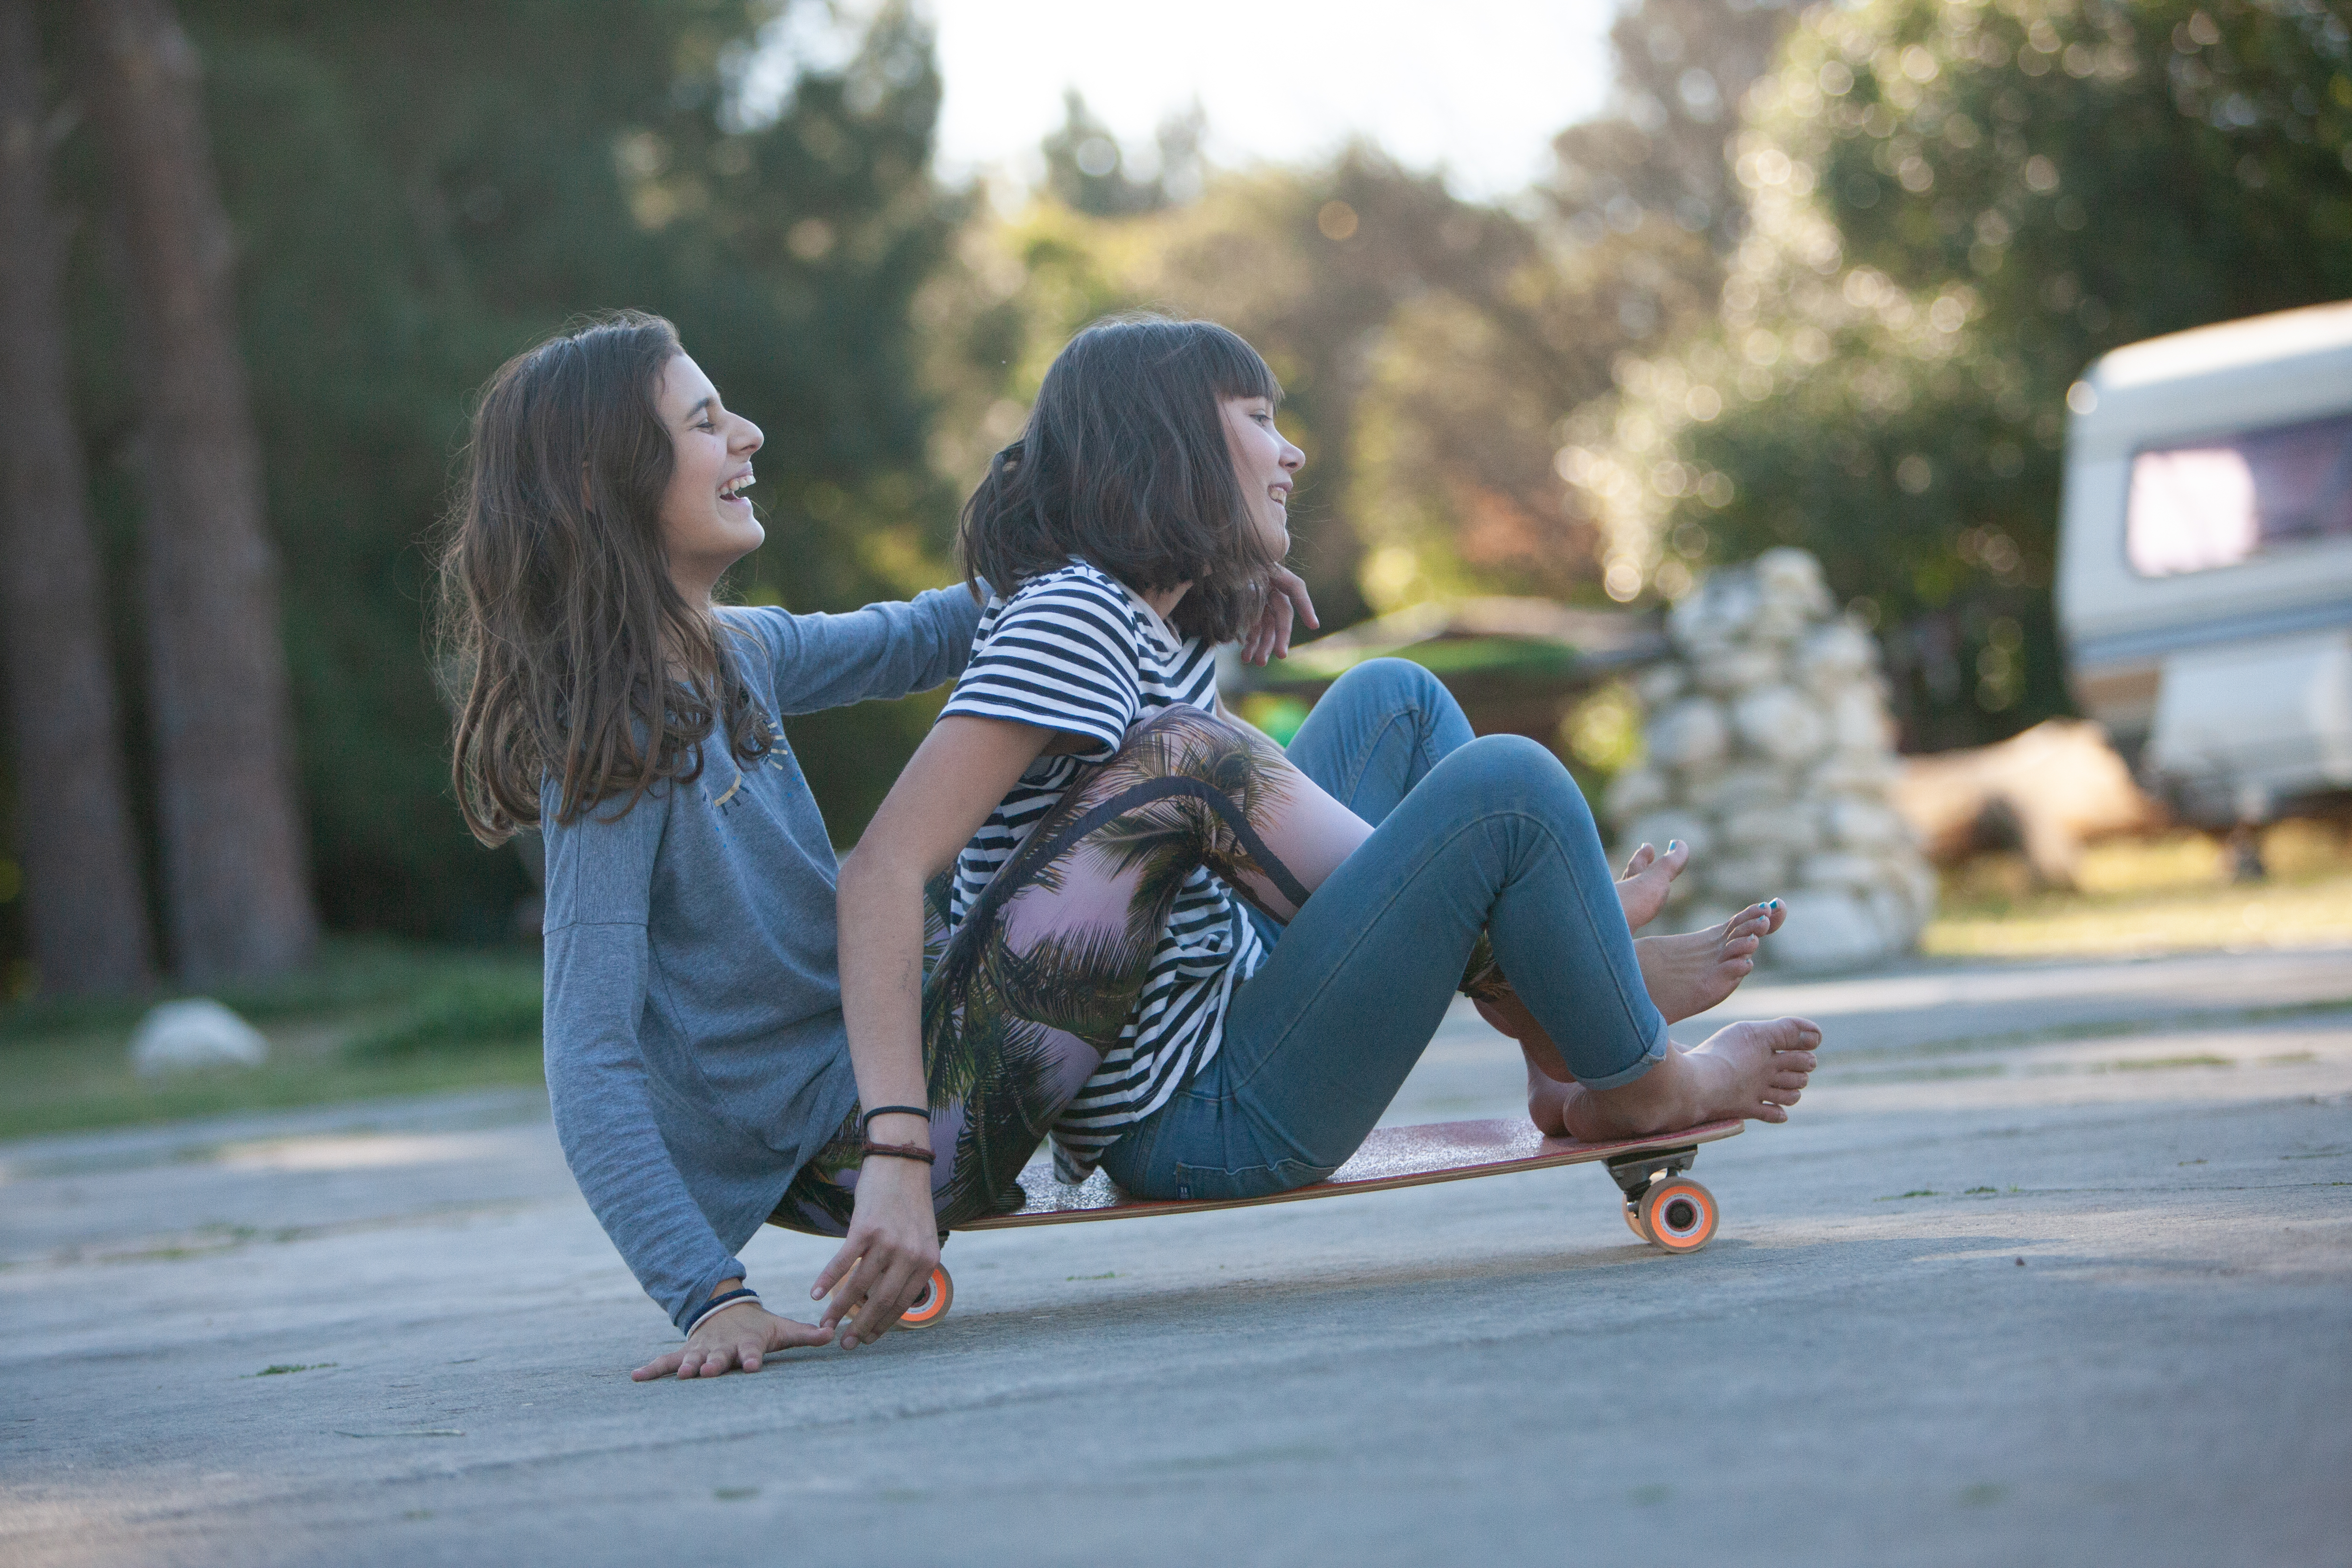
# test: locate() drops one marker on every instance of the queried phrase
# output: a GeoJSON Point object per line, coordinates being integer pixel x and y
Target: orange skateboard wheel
{"type": "Point", "coordinates": [1679, 1213]}
{"type": "Point", "coordinates": [933, 1303]}
{"type": "Point", "coordinates": [1633, 1220]}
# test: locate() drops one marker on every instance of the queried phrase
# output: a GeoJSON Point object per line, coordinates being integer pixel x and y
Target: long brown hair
{"type": "Point", "coordinates": [581, 662]}
{"type": "Point", "coordinates": [1124, 462]}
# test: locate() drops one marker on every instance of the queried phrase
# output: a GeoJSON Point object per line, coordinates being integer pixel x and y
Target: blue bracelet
{"type": "Point", "coordinates": [717, 1302]}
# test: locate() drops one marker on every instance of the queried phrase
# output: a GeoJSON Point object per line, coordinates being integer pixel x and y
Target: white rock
{"type": "Point", "coordinates": [1736, 669]}
{"type": "Point", "coordinates": [199, 1033]}
{"type": "Point", "coordinates": [1713, 613]}
{"type": "Point", "coordinates": [1841, 868]}
{"type": "Point", "coordinates": [1659, 685]}
{"type": "Point", "coordinates": [1740, 880]}
{"type": "Point", "coordinates": [1743, 785]}
{"type": "Point", "coordinates": [1855, 772]}
{"type": "Point", "coordinates": [1791, 577]}
{"type": "Point", "coordinates": [1634, 792]}
{"type": "Point", "coordinates": [1828, 931]}
{"type": "Point", "coordinates": [1689, 734]}
{"type": "Point", "coordinates": [1780, 723]}
{"type": "Point", "coordinates": [1854, 822]}
{"type": "Point", "coordinates": [1858, 721]}
{"type": "Point", "coordinates": [1661, 828]}
{"type": "Point", "coordinates": [1772, 754]}
{"type": "Point", "coordinates": [1789, 830]}
{"type": "Point", "coordinates": [1838, 654]}
{"type": "Point", "coordinates": [1892, 910]}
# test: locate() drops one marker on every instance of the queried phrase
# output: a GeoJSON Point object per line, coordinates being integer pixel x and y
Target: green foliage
{"type": "Point", "coordinates": [418, 192]}
{"type": "Point", "coordinates": [1956, 207]}
{"type": "Point", "coordinates": [489, 1007]}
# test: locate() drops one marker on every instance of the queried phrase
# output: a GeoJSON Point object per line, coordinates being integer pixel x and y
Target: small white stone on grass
{"type": "Point", "coordinates": [199, 1033]}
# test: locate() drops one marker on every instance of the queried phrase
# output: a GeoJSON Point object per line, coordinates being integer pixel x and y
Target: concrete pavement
{"type": "Point", "coordinates": [2051, 1266]}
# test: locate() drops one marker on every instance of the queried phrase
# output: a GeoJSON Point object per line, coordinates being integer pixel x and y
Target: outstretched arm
{"type": "Point", "coordinates": [881, 651]}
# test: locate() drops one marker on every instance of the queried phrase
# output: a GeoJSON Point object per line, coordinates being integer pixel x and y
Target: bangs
{"type": "Point", "coordinates": [1233, 368]}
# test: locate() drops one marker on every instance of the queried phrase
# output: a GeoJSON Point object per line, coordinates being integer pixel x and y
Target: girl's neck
{"type": "Point", "coordinates": [1163, 603]}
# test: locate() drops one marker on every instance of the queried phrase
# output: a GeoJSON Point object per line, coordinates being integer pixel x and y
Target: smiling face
{"type": "Point", "coordinates": [706, 514]}
{"type": "Point", "coordinates": [1265, 464]}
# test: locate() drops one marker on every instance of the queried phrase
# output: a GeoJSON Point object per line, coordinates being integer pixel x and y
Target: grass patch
{"type": "Point", "coordinates": [2165, 895]}
{"type": "Point", "coordinates": [371, 1018]}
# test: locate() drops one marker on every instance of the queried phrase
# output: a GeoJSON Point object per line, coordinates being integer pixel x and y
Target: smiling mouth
{"type": "Point", "coordinates": [734, 489]}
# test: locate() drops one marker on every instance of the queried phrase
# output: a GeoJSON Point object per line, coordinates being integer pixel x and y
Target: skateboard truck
{"type": "Point", "coordinates": [1662, 1206]}
{"type": "Point", "coordinates": [1634, 1172]}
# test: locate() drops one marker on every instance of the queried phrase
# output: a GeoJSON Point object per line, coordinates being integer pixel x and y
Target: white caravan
{"type": "Point", "coordinates": [2205, 561]}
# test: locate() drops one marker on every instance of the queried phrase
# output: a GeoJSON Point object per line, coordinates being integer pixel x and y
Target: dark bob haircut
{"type": "Point", "coordinates": [1123, 463]}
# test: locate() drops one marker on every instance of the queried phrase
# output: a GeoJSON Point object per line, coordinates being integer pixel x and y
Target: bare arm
{"type": "Point", "coordinates": [962, 770]}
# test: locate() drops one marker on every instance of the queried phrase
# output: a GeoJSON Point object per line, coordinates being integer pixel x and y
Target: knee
{"type": "Point", "coordinates": [1512, 768]}
{"type": "Point", "coordinates": [1392, 685]}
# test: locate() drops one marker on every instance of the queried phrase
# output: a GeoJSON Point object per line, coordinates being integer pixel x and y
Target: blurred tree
{"type": "Point", "coordinates": [1682, 68]}
{"type": "Point", "coordinates": [1087, 170]}
{"type": "Point", "coordinates": [236, 894]}
{"type": "Point", "coordinates": [414, 193]}
{"type": "Point", "coordinates": [86, 921]}
{"type": "Point", "coordinates": [1957, 206]}
{"type": "Point", "coordinates": [1327, 270]}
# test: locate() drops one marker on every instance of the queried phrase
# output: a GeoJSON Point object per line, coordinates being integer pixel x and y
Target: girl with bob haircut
{"type": "Point", "coordinates": [696, 1054]}
{"type": "Point", "coordinates": [1097, 909]}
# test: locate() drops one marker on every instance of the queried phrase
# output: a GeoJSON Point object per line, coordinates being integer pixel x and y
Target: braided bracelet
{"type": "Point", "coordinates": [718, 1304]}
{"type": "Point", "coordinates": [899, 1151]}
{"type": "Point", "coordinates": [866, 1122]}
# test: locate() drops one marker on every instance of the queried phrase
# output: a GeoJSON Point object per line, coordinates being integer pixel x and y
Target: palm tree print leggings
{"type": "Point", "coordinates": [1021, 1003]}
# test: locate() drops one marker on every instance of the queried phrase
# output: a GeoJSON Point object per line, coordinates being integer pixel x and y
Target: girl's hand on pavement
{"type": "Point", "coordinates": [893, 1246]}
{"type": "Point", "coordinates": [1285, 596]}
{"type": "Point", "coordinates": [735, 1336]}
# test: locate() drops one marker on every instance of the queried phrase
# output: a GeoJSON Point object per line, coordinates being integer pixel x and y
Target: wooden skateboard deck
{"type": "Point", "coordinates": [1391, 1157]}
{"type": "Point", "coordinates": [1662, 1205]}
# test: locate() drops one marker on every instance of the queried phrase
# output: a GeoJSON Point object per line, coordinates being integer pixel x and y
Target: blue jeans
{"type": "Point", "coordinates": [1468, 835]}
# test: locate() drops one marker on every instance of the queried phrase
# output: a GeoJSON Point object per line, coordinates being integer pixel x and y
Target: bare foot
{"type": "Point", "coordinates": [1642, 891]}
{"type": "Point", "coordinates": [1751, 1070]}
{"type": "Point", "coordinates": [1688, 974]}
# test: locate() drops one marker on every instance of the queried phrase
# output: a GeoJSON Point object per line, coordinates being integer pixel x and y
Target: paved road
{"type": "Point", "coordinates": [2055, 1267]}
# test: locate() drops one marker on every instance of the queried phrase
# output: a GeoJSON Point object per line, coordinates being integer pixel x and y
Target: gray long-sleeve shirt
{"type": "Point", "coordinates": [696, 1055]}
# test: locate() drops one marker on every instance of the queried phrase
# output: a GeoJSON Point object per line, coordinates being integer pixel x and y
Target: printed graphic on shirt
{"type": "Point", "coordinates": [1077, 651]}
{"type": "Point", "coordinates": [1029, 1004]}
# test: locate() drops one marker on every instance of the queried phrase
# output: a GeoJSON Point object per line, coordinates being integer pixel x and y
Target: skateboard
{"type": "Point", "coordinates": [1662, 1205]}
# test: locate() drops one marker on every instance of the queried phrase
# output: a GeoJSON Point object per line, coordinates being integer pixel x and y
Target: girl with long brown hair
{"type": "Point", "coordinates": [697, 1060]}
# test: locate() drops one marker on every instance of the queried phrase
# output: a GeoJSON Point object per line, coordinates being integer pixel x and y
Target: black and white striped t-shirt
{"type": "Point", "coordinates": [1077, 651]}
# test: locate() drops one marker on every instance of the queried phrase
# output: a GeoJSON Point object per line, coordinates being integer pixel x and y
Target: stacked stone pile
{"type": "Point", "coordinates": [1770, 755]}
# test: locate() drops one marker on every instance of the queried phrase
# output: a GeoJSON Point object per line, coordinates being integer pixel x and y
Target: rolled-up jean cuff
{"type": "Point", "coordinates": [1649, 1058]}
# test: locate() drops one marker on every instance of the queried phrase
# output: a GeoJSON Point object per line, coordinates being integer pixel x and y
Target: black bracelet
{"type": "Point", "coordinates": [866, 1122]}
{"type": "Point", "coordinates": [715, 1302]}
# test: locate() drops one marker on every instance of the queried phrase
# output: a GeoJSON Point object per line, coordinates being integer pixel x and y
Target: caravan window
{"type": "Point", "coordinates": [2219, 502]}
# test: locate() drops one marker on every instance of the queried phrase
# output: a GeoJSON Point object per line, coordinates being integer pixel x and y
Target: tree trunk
{"type": "Point", "coordinates": [236, 882]}
{"type": "Point", "coordinates": [82, 902]}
